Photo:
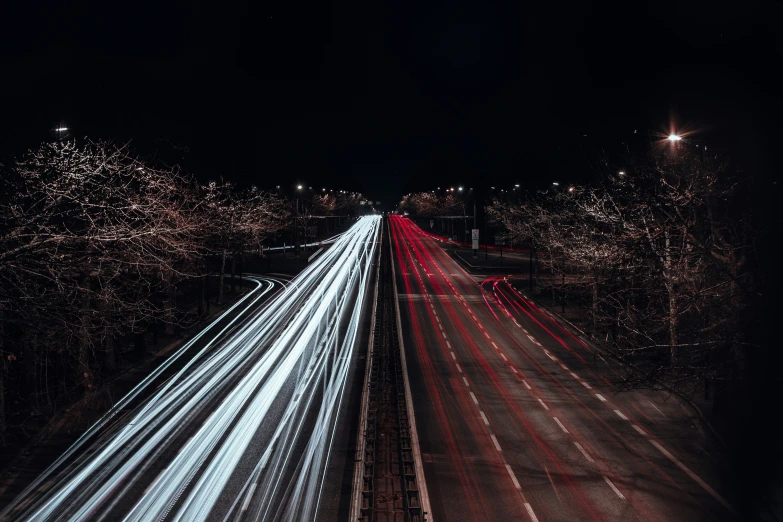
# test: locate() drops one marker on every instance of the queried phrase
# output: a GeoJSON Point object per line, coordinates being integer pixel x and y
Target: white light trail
{"type": "Point", "coordinates": [257, 409]}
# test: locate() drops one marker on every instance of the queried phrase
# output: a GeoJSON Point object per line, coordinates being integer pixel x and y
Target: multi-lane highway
{"type": "Point", "coordinates": [244, 430]}
{"type": "Point", "coordinates": [513, 421]}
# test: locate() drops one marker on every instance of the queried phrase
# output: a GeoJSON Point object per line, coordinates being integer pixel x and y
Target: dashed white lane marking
{"type": "Point", "coordinates": [437, 319]}
{"type": "Point", "coordinates": [514, 369]}
{"type": "Point", "coordinates": [487, 335]}
{"type": "Point", "coordinates": [474, 398]}
{"type": "Point", "coordinates": [550, 355]}
{"type": "Point", "coordinates": [586, 385]}
{"type": "Point", "coordinates": [484, 417]}
{"type": "Point", "coordinates": [526, 384]}
{"type": "Point", "coordinates": [530, 512]}
{"type": "Point", "coordinates": [530, 337]}
{"type": "Point", "coordinates": [614, 488]}
{"type": "Point", "coordinates": [448, 344]}
{"type": "Point", "coordinates": [504, 357]}
{"type": "Point", "coordinates": [560, 424]}
{"type": "Point", "coordinates": [692, 475]}
{"type": "Point", "coordinates": [465, 381]}
{"type": "Point", "coordinates": [575, 376]}
{"type": "Point", "coordinates": [250, 492]}
{"type": "Point", "coordinates": [620, 414]}
{"type": "Point", "coordinates": [453, 356]}
{"type": "Point", "coordinates": [495, 345]}
{"type": "Point", "coordinates": [544, 405]}
{"type": "Point", "coordinates": [495, 441]}
{"type": "Point", "coordinates": [443, 334]}
{"type": "Point", "coordinates": [480, 325]}
{"type": "Point", "coordinates": [155, 481]}
{"type": "Point", "coordinates": [637, 428]}
{"type": "Point", "coordinates": [459, 369]}
{"type": "Point", "coordinates": [441, 327]}
{"type": "Point", "coordinates": [601, 397]}
{"type": "Point", "coordinates": [588, 457]}
{"type": "Point", "coordinates": [513, 477]}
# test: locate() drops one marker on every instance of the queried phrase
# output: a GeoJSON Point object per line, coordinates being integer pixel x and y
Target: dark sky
{"type": "Point", "coordinates": [387, 97]}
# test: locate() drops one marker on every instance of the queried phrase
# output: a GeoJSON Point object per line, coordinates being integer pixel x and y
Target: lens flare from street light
{"type": "Point", "coordinates": [674, 137]}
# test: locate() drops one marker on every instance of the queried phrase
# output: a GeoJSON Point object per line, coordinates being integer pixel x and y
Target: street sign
{"type": "Point", "coordinates": [432, 223]}
{"type": "Point", "coordinates": [500, 239]}
{"type": "Point", "coordinates": [475, 238]}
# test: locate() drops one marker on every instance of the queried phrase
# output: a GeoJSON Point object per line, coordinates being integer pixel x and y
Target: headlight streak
{"type": "Point", "coordinates": [294, 353]}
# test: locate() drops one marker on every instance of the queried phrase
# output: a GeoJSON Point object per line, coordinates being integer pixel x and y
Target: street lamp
{"type": "Point", "coordinates": [674, 137]}
{"type": "Point", "coordinates": [61, 129]}
{"type": "Point", "coordinates": [555, 183]}
{"type": "Point", "coordinates": [299, 187]}
{"type": "Point", "coordinates": [621, 173]}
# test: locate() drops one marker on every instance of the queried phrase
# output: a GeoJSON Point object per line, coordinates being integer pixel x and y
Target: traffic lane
{"type": "Point", "coordinates": [624, 438]}
{"type": "Point", "coordinates": [557, 480]}
{"type": "Point", "coordinates": [692, 443]}
{"type": "Point", "coordinates": [442, 279]}
{"type": "Point", "coordinates": [210, 338]}
{"type": "Point", "coordinates": [459, 459]}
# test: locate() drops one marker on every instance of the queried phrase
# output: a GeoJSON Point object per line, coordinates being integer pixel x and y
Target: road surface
{"type": "Point", "coordinates": [513, 422]}
{"type": "Point", "coordinates": [244, 430]}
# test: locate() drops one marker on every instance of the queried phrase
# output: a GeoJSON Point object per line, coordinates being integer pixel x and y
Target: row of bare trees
{"type": "Point", "coordinates": [431, 204]}
{"type": "Point", "coordinates": [661, 256]}
{"type": "Point", "coordinates": [97, 247]}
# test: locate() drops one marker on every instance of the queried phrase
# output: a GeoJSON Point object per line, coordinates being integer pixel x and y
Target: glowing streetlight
{"type": "Point", "coordinates": [299, 187]}
{"type": "Point", "coordinates": [555, 183]}
{"type": "Point", "coordinates": [674, 137]}
{"type": "Point", "coordinates": [570, 189]}
{"type": "Point", "coordinates": [61, 129]}
{"type": "Point", "coordinates": [517, 185]}
{"type": "Point", "coordinates": [460, 189]}
{"type": "Point", "coordinates": [622, 173]}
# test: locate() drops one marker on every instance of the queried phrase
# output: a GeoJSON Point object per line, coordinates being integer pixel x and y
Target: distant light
{"type": "Point", "coordinates": [139, 168]}
{"type": "Point", "coordinates": [555, 183]}
{"type": "Point", "coordinates": [323, 190]}
{"type": "Point", "coordinates": [61, 129]}
{"type": "Point", "coordinates": [278, 186]}
{"type": "Point", "coordinates": [299, 187]}
{"type": "Point", "coordinates": [517, 186]}
{"type": "Point", "coordinates": [622, 173]}
{"type": "Point", "coordinates": [674, 137]}
{"type": "Point", "coordinates": [493, 188]}
{"type": "Point", "coordinates": [460, 189]}
{"type": "Point", "coordinates": [570, 189]}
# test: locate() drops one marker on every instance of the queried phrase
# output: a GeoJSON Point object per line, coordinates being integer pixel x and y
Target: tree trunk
{"type": "Point", "coordinates": [171, 303]}
{"type": "Point", "coordinates": [233, 271]}
{"type": "Point", "coordinates": [220, 278]}
{"type": "Point", "coordinates": [669, 284]}
{"type": "Point", "coordinates": [84, 372]}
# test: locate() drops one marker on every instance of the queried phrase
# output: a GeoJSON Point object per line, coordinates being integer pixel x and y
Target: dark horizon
{"type": "Point", "coordinates": [391, 99]}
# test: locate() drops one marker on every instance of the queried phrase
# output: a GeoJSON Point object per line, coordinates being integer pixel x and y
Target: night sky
{"type": "Point", "coordinates": [388, 97]}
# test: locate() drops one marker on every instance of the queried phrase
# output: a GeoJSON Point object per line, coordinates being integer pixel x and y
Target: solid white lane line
{"type": "Point", "coordinates": [588, 457]}
{"type": "Point", "coordinates": [453, 356]}
{"type": "Point", "coordinates": [550, 355]}
{"type": "Point", "coordinates": [465, 381]}
{"type": "Point", "coordinates": [484, 417]}
{"type": "Point", "coordinates": [249, 496]}
{"type": "Point", "coordinates": [586, 385]}
{"type": "Point", "coordinates": [459, 369]}
{"type": "Point", "coordinates": [544, 405]}
{"type": "Point", "coordinates": [601, 397]}
{"type": "Point", "coordinates": [614, 488]}
{"type": "Point", "coordinates": [474, 398]}
{"type": "Point", "coordinates": [560, 424]}
{"type": "Point", "coordinates": [637, 428]}
{"type": "Point", "coordinates": [692, 475]}
{"type": "Point", "coordinates": [620, 414]}
{"type": "Point", "coordinates": [530, 512]}
{"type": "Point", "coordinates": [495, 441]}
{"type": "Point", "coordinates": [513, 477]}
{"type": "Point", "coordinates": [526, 384]}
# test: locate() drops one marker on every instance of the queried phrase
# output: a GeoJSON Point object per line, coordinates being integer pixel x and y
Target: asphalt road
{"type": "Point", "coordinates": [246, 429]}
{"type": "Point", "coordinates": [514, 421]}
